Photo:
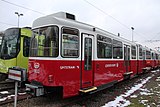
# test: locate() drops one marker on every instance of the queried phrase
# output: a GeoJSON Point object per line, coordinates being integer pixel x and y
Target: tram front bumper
{"type": "Point", "coordinates": [35, 90]}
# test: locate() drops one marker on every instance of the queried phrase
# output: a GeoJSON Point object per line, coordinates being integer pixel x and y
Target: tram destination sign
{"type": "Point", "coordinates": [17, 74]}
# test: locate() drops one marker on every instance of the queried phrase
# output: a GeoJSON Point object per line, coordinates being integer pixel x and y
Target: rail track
{"type": "Point", "coordinates": [7, 92]}
{"type": "Point", "coordinates": [6, 85]}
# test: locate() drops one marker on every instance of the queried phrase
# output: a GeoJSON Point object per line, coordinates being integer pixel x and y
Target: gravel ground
{"type": "Point", "coordinates": [147, 95]}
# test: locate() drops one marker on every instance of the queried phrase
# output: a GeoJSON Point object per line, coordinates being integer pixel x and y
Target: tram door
{"type": "Point", "coordinates": [87, 61]}
{"type": "Point", "coordinates": [127, 58]}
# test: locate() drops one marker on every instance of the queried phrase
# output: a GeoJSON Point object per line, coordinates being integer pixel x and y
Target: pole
{"type": "Point", "coordinates": [132, 32]}
{"type": "Point", "coordinates": [16, 91]}
{"type": "Point", "coordinates": [18, 16]}
{"type": "Point", "coordinates": [18, 21]}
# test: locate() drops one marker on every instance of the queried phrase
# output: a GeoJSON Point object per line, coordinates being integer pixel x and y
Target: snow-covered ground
{"type": "Point", "coordinates": [9, 96]}
{"type": "Point", "coordinates": [121, 100]}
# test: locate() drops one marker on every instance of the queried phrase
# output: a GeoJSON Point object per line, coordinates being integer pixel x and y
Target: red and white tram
{"type": "Point", "coordinates": [75, 57]}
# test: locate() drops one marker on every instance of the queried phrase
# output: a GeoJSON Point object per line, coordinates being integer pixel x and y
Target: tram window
{"type": "Point", "coordinates": [133, 51]}
{"type": "Point", "coordinates": [45, 42]}
{"type": "Point", "coordinates": [140, 53]}
{"type": "Point", "coordinates": [117, 50]}
{"type": "Point", "coordinates": [148, 54]}
{"type": "Point", "coordinates": [70, 42]}
{"type": "Point", "coordinates": [143, 55]}
{"type": "Point", "coordinates": [88, 54]}
{"type": "Point", "coordinates": [159, 57]}
{"type": "Point", "coordinates": [104, 47]}
{"type": "Point", "coordinates": [152, 55]}
{"type": "Point", "coordinates": [156, 56]}
{"type": "Point", "coordinates": [26, 44]}
{"type": "Point", "coordinates": [34, 46]}
{"type": "Point", "coordinates": [10, 43]}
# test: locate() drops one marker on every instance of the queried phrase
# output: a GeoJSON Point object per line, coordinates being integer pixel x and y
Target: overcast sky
{"type": "Point", "coordinates": [115, 16]}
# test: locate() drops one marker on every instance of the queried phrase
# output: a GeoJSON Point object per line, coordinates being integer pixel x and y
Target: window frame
{"type": "Point", "coordinates": [152, 55]}
{"type": "Point", "coordinates": [25, 49]}
{"type": "Point", "coordinates": [18, 44]}
{"type": "Point", "coordinates": [43, 44]}
{"type": "Point", "coordinates": [156, 56]}
{"type": "Point", "coordinates": [148, 51]}
{"type": "Point", "coordinates": [107, 43]}
{"type": "Point", "coordinates": [140, 56]}
{"type": "Point", "coordinates": [121, 57]}
{"type": "Point", "coordinates": [143, 54]}
{"type": "Point", "coordinates": [89, 65]}
{"type": "Point", "coordinates": [135, 52]}
{"type": "Point", "coordinates": [61, 43]}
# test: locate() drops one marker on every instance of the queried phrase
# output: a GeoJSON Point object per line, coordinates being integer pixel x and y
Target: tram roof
{"type": "Point", "coordinates": [53, 19]}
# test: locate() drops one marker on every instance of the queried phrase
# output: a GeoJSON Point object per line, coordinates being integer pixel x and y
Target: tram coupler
{"type": "Point", "coordinates": [35, 90]}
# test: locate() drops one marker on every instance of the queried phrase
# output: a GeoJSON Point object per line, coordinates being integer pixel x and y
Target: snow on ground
{"type": "Point", "coordinates": [4, 92]}
{"type": "Point", "coordinates": [144, 101]}
{"type": "Point", "coordinates": [3, 99]}
{"type": "Point", "coordinates": [22, 93]}
{"type": "Point", "coordinates": [133, 96]}
{"type": "Point", "coordinates": [121, 101]}
{"type": "Point", "coordinates": [9, 96]}
{"type": "Point", "coordinates": [145, 92]}
{"type": "Point", "coordinates": [158, 79]}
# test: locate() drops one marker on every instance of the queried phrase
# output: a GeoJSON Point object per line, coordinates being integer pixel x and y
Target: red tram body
{"type": "Point", "coordinates": [78, 58]}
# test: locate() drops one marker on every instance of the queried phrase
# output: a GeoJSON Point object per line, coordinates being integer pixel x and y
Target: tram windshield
{"type": "Point", "coordinates": [10, 43]}
{"type": "Point", "coordinates": [44, 42]}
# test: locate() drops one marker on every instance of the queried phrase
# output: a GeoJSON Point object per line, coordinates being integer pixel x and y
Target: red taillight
{"type": "Point", "coordinates": [50, 78]}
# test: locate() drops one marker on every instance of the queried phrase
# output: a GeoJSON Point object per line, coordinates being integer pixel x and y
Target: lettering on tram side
{"type": "Point", "coordinates": [109, 74]}
{"type": "Point", "coordinates": [69, 67]}
{"type": "Point", "coordinates": [111, 65]}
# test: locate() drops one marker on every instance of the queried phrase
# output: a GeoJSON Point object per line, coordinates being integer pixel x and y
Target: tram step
{"type": "Point", "coordinates": [86, 90]}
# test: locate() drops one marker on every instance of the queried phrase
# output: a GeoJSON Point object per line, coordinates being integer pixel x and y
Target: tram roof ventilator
{"type": "Point", "coordinates": [64, 15]}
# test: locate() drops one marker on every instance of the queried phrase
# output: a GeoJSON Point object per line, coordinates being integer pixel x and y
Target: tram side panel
{"type": "Point", "coordinates": [109, 65]}
{"type": "Point", "coordinates": [140, 66]}
{"type": "Point", "coordinates": [57, 73]}
{"type": "Point", "coordinates": [108, 72]}
{"type": "Point", "coordinates": [133, 61]}
{"type": "Point", "coordinates": [134, 66]}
